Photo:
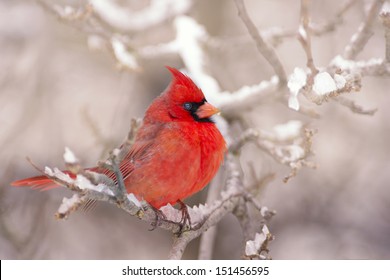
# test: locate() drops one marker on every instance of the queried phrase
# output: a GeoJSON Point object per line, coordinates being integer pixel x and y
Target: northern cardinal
{"type": "Point", "coordinates": [177, 150]}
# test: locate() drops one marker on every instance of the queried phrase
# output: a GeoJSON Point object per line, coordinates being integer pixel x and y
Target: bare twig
{"type": "Point", "coordinates": [245, 137]}
{"type": "Point", "coordinates": [242, 214]}
{"type": "Point", "coordinates": [361, 37]}
{"type": "Point", "coordinates": [289, 144]}
{"type": "Point", "coordinates": [320, 29]}
{"type": "Point", "coordinates": [304, 36]}
{"type": "Point", "coordinates": [354, 107]}
{"type": "Point", "coordinates": [276, 35]}
{"type": "Point", "coordinates": [82, 18]}
{"type": "Point", "coordinates": [385, 17]}
{"type": "Point", "coordinates": [267, 52]}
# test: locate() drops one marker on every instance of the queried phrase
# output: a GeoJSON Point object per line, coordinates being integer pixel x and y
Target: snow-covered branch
{"type": "Point", "coordinates": [125, 19]}
{"type": "Point", "coordinates": [289, 144]}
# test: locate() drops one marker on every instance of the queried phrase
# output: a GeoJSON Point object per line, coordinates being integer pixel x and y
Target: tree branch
{"type": "Point", "coordinates": [361, 37]}
{"type": "Point", "coordinates": [304, 36]}
{"type": "Point", "coordinates": [267, 52]}
{"type": "Point", "coordinates": [385, 17]}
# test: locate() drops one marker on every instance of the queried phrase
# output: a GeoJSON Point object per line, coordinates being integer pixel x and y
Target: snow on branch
{"type": "Point", "coordinates": [157, 12]}
{"type": "Point", "coordinates": [343, 74]}
{"type": "Point", "coordinates": [123, 56]}
{"type": "Point", "coordinates": [189, 45]}
{"type": "Point", "coordinates": [258, 248]}
{"type": "Point", "coordinates": [289, 144]}
{"type": "Point", "coordinates": [233, 196]}
{"type": "Point", "coordinates": [191, 39]}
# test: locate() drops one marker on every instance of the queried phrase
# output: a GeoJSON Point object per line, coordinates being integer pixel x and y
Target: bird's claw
{"type": "Point", "coordinates": [160, 216]}
{"type": "Point", "coordinates": [184, 223]}
{"type": "Point", "coordinates": [185, 218]}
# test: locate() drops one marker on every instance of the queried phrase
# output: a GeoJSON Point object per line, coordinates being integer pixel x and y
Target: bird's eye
{"type": "Point", "coordinates": [187, 106]}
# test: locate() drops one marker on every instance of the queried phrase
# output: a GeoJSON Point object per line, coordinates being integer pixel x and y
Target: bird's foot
{"type": "Point", "coordinates": [160, 216]}
{"type": "Point", "coordinates": [185, 218]}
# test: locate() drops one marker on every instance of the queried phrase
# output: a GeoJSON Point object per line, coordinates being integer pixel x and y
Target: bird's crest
{"type": "Point", "coordinates": [182, 88]}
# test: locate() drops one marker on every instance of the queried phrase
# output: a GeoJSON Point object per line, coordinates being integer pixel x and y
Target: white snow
{"type": "Point", "coordinates": [295, 82]}
{"type": "Point", "coordinates": [288, 130]}
{"type": "Point", "coordinates": [302, 32]}
{"type": "Point", "coordinates": [324, 83]}
{"type": "Point", "coordinates": [68, 11]}
{"type": "Point", "coordinates": [386, 7]}
{"type": "Point", "coordinates": [263, 211]}
{"type": "Point", "coordinates": [154, 13]}
{"type": "Point", "coordinates": [133, 199]}
{"type": "Point", "coordinates": [68, 203]}
{"type": "Point", "coordinates": [290, 153]}
{"type": "Point", "coordinates": [296, 152]}
{"type": "Point", "coordinates": [116, 152]}
{"type": "Point", "coordinates": [342, 63]}
{"type": "Point", "coordinates": [95, 42]}
{"type": "Point", "coordinates": [84, 183]}
{"type": "Point", "coordinates": [293, 103]}
{"type": "Point", "coordinates": [340, 81]}
{"type": "Point", "coordinates": [253, 246]}
{"type": "Point", "coordinates": [69, 157]}
{"type": "Point", "coordinates": [352, 65]}
{"type": "Point", "coordinates": [58, 174]}
{"type": "Point", "coordinates": [125, 58]}
{"type": "Point", "coordinates": [189, 36]}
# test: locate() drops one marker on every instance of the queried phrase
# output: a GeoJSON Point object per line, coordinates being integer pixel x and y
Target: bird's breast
{"type": "Point", "coordinates": [183, 159]}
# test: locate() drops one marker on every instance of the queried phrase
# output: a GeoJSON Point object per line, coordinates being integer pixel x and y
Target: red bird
{"type": "Point", "coordinates": [177, 150]}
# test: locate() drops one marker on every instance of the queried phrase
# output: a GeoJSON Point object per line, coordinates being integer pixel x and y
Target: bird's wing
{"type": "Point", "coordinates": [138, 152]}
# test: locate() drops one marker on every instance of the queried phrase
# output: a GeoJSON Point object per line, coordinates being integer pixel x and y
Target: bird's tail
{"type": "Point", "coordinates": [41, 182]}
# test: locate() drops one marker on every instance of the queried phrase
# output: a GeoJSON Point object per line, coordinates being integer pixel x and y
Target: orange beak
{"type": "Point", "coordinates": [206, 111]}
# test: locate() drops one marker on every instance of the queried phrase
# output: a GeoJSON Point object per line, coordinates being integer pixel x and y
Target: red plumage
{"type": "Point", "coordinates": [177, 150]}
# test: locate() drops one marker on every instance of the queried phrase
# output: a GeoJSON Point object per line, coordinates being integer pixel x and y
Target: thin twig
{"type": "Point", "coordinates": [385, 17]}
{"type": "Point", "coordinates": [268, 52]}
{"type": "Point", "coordinates": [361, 37]}
{"type": "Point", "coordinates": [304, 36]}
{"type": "Point", "coordinates": [320, 29]}
{"type": "Point", "coordinates": [354, 107]}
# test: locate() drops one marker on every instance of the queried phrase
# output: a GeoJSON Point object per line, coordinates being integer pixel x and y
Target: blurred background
{"type": "Point", "coordinates": [55, 91]}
